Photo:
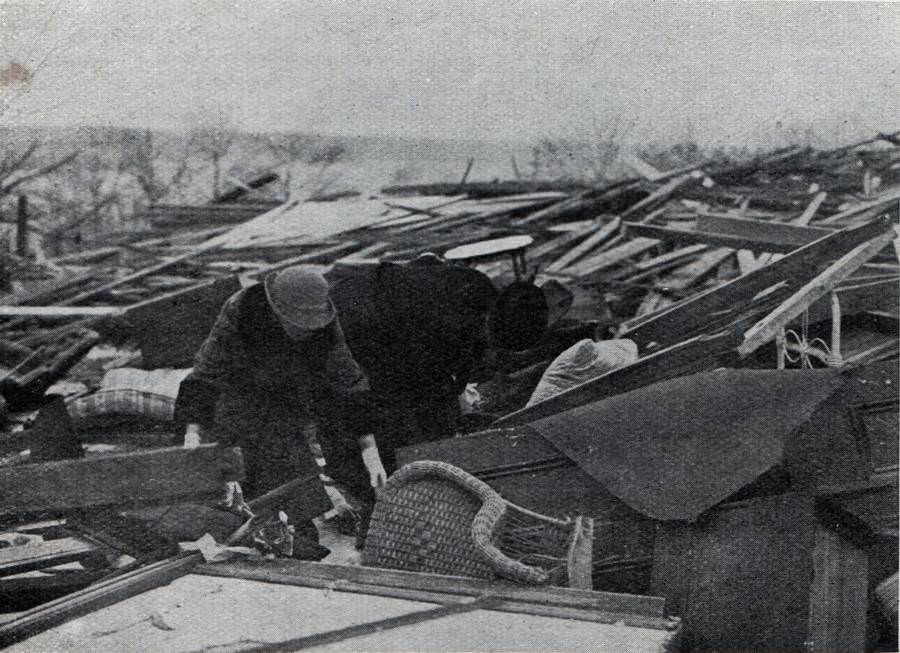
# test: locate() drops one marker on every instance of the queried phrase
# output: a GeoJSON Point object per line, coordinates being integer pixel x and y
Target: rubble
{"type": "Point", "coordinates": [786, 261]}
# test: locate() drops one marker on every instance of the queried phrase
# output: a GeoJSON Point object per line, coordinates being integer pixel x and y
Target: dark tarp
{"type": "Point", "coordinates": [674, 449]}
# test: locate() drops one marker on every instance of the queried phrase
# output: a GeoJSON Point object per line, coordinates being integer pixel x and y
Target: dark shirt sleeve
{"type": "Point", "coordinates": [213, 367]}
{"type": "Point", "coordinates": [357, 408]}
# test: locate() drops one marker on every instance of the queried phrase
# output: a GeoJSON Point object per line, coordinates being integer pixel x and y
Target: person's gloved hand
{"type": "Point", "coordinates": [372, 461]}
{"type": "Point", "coordinates": [234, 500]}
{"type": "Point", "coordinates": [192, 436]}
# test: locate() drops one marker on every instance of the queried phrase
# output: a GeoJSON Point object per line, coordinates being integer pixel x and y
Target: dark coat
{"type": "Point", "coordinates": [417, 332]}
{"type": "Point", "coordinates": [254, 387]}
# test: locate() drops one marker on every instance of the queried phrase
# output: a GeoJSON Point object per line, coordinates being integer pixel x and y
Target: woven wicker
{"type": "Point", "coordinates": [434, 517]}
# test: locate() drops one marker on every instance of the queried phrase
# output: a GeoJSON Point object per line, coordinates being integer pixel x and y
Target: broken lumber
{"type": "Point", "coordinates": [765, 330]}
{"type": "Point", "coordinates": [875, 206]}
{"type": "Point", "coordinates": [691, 315]}
{"type": "Point", "coordinates": [59, 311]}
{"type": "Point", "coordinates": [657, 197]}
{"type": "Point", "coordinates": [737, 233]}
{"type": "Point", "coordinates": [40, 555]}
{"type": "Point", "coordinates": [692, 273]}
{"type": "Point", "coordinates": [611, 257]}
{"type": "Point", "coordinates": [810, 211]}
{"type": "Point", "coordinates": [602, 234]}
{"type": "Point", "coordinates": [664, 259]}
{"type": "Point", "coordinates": [140, 478]}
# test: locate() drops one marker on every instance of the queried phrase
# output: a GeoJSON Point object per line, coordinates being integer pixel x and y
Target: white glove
{"type": "Point", "coordinates": [372, 461]}
{"type": "Point", "coordinates": [192, 436]}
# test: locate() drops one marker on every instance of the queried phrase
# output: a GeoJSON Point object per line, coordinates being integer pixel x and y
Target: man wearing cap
{"type": "Point", "coordinates": [274, 362]}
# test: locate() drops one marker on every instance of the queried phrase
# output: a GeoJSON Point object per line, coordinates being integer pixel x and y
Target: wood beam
{"type": "Point", "coordinates": [691, 316]}
{"type": "Point", "coordinates": [766, 329]}
{"type": "Point", "coordinates": [140, 478]}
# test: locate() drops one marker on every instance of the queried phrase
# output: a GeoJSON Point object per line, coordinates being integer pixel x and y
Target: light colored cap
{"type": "Point", "coordinates": [299, 297]}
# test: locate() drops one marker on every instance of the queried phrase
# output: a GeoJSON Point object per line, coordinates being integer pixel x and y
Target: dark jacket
{"type": "Point", "coordinates": [254, 387]}
{"type": "Point", "coordinates": [418, 332]}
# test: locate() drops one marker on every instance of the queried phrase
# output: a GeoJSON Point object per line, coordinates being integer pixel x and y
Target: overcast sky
{"type": "Point", "coordinates": [492, 69]}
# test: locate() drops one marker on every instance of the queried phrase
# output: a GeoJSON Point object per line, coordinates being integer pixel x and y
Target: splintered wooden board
{"type": "Point", "coordinates": [40, 555]}
{"type": "Point", "coordinates": [199, 612]}
{"type": "Point", "coordinates": [145, 477]}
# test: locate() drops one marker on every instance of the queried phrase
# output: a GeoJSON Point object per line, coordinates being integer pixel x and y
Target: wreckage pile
{"type": "Point", "coordinates": [786, 260]}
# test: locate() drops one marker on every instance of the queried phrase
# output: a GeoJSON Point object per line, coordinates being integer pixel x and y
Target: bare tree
{"type": "Point", "coordinates": [319, 154]}
{"type": "Point", "coordinates": [156, 171]}
{"type": "Point", "coordinates": [287, 149]}
{"type": "Point", "coordinates": [87, 197]}
{"type": "Point", "coordinates": [213, 138]}
{"type": "Point", "coordinates": [23, 159]}
{"type": "Point", "coordinates": [592, 158]}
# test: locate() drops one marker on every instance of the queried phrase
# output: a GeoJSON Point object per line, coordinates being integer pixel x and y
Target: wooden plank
{"type": "Point", "coordinates": [769, 231]}
{"type": "Point", "coordinates": [144, 477]}
{"type": "Point", "coordinates": [611, 257]}
{"type": "Point", "coordinates": [691, 315]}
{"type": "Point", "coordinates": [558, 209]}
{"type": "Point", "coordinates": [810, 211]}
{"type": "Point", "coordinates": [874, 207]}
{"type": "Point", "coordinates": [581, 555]}
{"type": "Point", "coordinates": [765, 330]}
{"type": "Point", "coordinates": [690, 274]}
{"type": "Point", "coordinates": [60, 311]}
{"type": "Point", "coordinates": [658, 196]}
{"type": "Point", "coordinates": [304, 572]}
{"type": "Point", "coordinates": [40, 555]}
{"type": "Point", "coordinates": [763, 239]}
{"type": "Point", "coordinates": [839, 595]}
{"type": "Point", "coordinates": [669, 257]}
{"type": "Point", "coordinates": [603, 233]}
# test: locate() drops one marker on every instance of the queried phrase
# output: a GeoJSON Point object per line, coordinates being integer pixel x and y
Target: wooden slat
{"type": "Point", "coordinates": [691, 315]}
{"type": "Point", "coordinates": [60, 311]}
{"type": "Point", "coordinates": [757, 236]}
{"type": "Point", "coordinates": [40, 555]}
{"type": "Point", "coordinates": [690, 274]}
{"type": "Point", "coordinates": [874, 207]}
{"type": "Point", "coordinates": [810, 211]}
{"type": "Point", "coordinates": [611, 257]}
{"type": "Point", "coordinates": [602, 234]}
{"type": "Point", "coordinates": [669, 257]}
{"type": "Point", "coordinates": [769, 231]}
{"type": "Point", "coordinates": [581, 555]}
{"type": "Point", "coordinates": [135, 478]}
{"type": "Point", "coordinates": [658, 196]}
{"type": "Point", "coordinates": [765, 330]}
{"type": "Point", "coordinates": [305, 572]}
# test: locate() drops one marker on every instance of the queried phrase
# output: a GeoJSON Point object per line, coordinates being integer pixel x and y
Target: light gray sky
{"type": "Point", "coordinates": [492, 69]}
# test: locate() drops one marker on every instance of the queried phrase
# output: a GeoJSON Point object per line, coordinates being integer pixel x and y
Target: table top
{"type": "Point", "coordinates": [485, 248]}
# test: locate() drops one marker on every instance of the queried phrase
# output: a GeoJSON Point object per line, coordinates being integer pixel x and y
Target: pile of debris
{"type": "Point", "coordinates": [789, 260]}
